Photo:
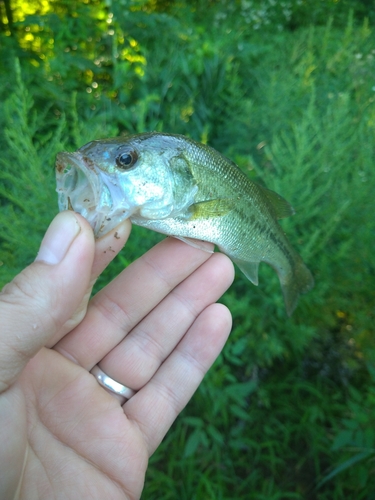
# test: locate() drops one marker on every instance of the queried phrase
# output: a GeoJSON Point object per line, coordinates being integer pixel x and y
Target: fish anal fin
{"type": "Point", "coordinates": [250, 269]}
{"type": "Point", "coordinates": [280, 207]}
{"type": "Point", "coordinates": [206, 246]}
{"type": "Point", "coordinates": [211, 208]}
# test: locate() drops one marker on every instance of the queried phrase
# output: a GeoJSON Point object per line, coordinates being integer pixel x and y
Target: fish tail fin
{"type": "Point", "coordinates": [297, 283]}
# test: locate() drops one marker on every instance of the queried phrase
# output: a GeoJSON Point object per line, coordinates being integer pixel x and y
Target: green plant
{"type": "Point", "coordinates": [287, 411]}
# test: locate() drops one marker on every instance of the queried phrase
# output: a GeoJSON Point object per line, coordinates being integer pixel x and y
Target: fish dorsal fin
{"type": "Point", "coordinates": [280, 207]}
{"type": "Point", "coordinates": [206, 246]}
{"type": "Point", "coordinates": [250, 269]}
{"type": "Point", "coordinates": [211, 208]}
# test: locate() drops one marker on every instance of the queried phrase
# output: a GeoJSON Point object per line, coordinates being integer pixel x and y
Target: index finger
{"type": "Point", "coordinates": [116, 309]}
{"type": "Point", "coordinates": [106, 248]}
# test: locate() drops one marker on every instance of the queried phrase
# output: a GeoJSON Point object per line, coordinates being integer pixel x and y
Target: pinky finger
{"type": "Point", "coordinates": [155, 407]}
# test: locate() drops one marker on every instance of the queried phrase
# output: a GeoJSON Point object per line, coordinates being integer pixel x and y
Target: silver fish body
{"type": "Point", "coordinates": [182, 188]}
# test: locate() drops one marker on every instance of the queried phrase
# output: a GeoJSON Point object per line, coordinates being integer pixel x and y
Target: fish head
{"type": "Point", "coordinates": [141, 177]}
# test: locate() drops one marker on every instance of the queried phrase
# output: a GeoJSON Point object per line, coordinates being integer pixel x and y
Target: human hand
{"type": "Point", "coordinates": [155, 329]}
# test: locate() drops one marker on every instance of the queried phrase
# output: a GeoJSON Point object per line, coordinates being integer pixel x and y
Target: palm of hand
{"type": "Point", "coordinates": [155, 329]}
{"type": "Point", "coordinates": [76, 436]}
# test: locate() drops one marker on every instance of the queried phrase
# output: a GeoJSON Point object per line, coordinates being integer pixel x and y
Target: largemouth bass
{"type": "Point", "coordinates": [181, 188]}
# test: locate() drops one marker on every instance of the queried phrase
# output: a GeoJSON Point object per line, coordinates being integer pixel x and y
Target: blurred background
{"type": "Point", "coordinates": [286, 89]}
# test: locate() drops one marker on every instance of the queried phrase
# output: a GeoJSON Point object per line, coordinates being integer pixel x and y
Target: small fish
{"type": "Point", "coordinates": [179, 187]}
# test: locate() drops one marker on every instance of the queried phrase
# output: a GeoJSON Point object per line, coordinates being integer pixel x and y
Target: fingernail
{"type": "Point", "coordinates": [60, 235]}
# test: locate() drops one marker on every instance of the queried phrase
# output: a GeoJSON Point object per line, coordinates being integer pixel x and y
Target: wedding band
{"type": "Point", "coordinates": [110, 384]}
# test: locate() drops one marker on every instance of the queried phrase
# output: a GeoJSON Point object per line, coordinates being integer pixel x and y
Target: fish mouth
{"type": "Point", "coordinates": [82, 188]}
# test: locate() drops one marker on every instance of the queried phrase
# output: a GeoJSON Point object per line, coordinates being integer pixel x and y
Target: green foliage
{"type": "Point", "coordinates": [288, 410]}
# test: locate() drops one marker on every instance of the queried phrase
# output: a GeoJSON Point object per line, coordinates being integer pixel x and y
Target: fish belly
{"type": "Point", "coordinates": [247, 241]}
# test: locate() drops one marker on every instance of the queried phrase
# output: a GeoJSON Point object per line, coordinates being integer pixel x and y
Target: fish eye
{"type": "Point", "coordinates": [126, 160]}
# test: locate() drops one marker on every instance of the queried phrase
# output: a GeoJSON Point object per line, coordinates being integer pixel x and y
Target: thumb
{"type": "Point", "coordinates": [44, 295]}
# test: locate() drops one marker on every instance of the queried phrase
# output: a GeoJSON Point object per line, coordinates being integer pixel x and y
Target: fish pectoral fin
{"type": "Point", "coordinates": [250, 269]}
{"type": "Point", "coordinates": [206, 246]}
{"type": "Point", "coordinates": [280, 207]}
{"type": "Point", "coordinates": [211, 208]}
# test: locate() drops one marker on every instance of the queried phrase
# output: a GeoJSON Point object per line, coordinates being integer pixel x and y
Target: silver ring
{"type": "Point", "coordinates": [110, 384]}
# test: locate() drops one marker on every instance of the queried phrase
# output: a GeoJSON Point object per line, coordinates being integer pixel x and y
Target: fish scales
{"type": "Point", "coordinates": [182, 188]}
{"type": "Point", "coordinates": [253, 240]}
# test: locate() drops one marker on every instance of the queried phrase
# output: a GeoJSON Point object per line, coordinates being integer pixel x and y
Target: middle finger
{"type": "Point", "coordinates": [122, 304]}
{"type": "Point", "coordinates": [135, 360]}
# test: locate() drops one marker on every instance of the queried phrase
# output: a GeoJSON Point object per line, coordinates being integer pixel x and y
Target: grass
{"type": "Point", "coordinates": [288, 410]}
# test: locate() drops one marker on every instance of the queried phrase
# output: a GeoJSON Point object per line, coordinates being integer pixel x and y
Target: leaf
{"type": "Point", "coordinates": [342, 439]}
{"type": "Point", "coordinates": [197, 438]}
{"type": "Point", "coordinates": [241, 390]}
{"type": "Point", "coordinates": [345, 465]}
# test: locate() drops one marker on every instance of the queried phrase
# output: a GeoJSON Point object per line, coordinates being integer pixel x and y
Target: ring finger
{"type": "Point", "coordinates": [137, 358]}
